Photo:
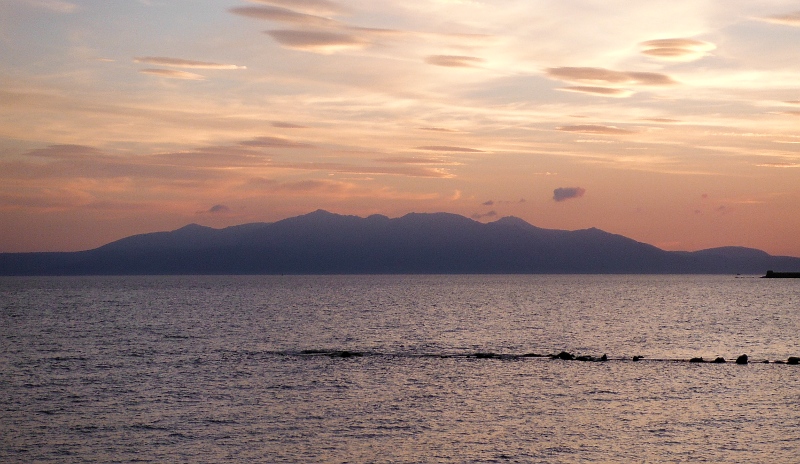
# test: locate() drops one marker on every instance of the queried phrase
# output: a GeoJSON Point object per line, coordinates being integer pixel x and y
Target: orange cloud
{"type": "Point", "coordinates": [679, 49]}
{"type": "Point", "coordinates": [602, 75]}
{"type": "Point", "coordinates": [454, 61]}
{"type": "Point", "coordinates": [181, 63]}
{"type": "Point", "coordinates": [172, 74]}
{"type": "Point", "coordinates": [788, 19]}
{"type": "Point", "coordinates": [446, 148]}
{"type": "Point", "coordinates": [310, 6]}
{"type": "Point", "coordinates": [273, 142]}
{"type": "Point", "coordinates": [316, 41]}
{"type": "Point", "coordinates": [595, 129]}
{"type": "Point", "coordinates": [605, 91]}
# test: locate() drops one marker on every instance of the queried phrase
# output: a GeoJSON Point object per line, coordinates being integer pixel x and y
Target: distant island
{"type": "Point", "coordinates": [782, 275]}
{"type": "Point", "coordinates": [435, 243]}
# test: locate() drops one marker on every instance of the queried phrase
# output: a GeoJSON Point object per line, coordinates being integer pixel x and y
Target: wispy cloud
{"type": "Point", "coordinates": [274, 142]}
{"type": "Point", "coordinates": [602, 75]}
{"type": "Point", "coordinates": [323, 7]}
{"type": "Point", "coordinates": [488, 214]}
{"type": "Point", "coordinates": [454, 61]}
{"type": "Point", "coordinates": [282, 15]}
{"type": "Point", "coordinates": [678, 49]}
{"type": "Point", "coordinates": [172, 74]}
{"type": "Point", "coordinates": [182, 63]}
{"type": "Point", "coordinates": [787, 19]}
{"type": "Point", "coordinates": [603, 91]}
{"type": "Point", "coordinates": [448, 148]}
{"type": "Point", "coordinates": [595, 129]}
{"type": "Point", "coordinates": [287, 125]}
{"type": "Point", "coordinates": [57, 6]}
{"type": "Point", "coordinates": [567, 193]}
{"type": "Point", "coordinates": [317, 41]}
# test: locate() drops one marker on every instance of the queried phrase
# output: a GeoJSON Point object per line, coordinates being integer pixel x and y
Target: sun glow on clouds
{"type": "Point", "coordinates": [265, 109]}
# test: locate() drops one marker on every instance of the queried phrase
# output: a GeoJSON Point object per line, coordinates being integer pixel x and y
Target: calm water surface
{"type": "Point", "coordinates": [237, 369]}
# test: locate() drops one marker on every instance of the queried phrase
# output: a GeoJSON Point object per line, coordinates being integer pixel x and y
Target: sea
{"type": "Point", "coordinates": [399, 369]}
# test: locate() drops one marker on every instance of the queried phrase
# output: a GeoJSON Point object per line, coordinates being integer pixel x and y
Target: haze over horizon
{"type": "Point", "coordinates": [676, 123]}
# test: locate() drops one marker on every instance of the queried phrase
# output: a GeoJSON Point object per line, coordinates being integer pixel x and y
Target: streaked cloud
{"type": "Point", "coordinates": [488, 214]}
{"type": "Point", "coordinates": [787, 19]}
{"type": "Point", "coordinates": [454, 61]}
{"type": "Point", "coordinates": [603, 91]}
{"type": "Point", "coordinates": [779, 165]}
{"type": "Point", "coordinates": [219, 209]}
{"type": "Point", "coordinates": [172, 74]}
{"type": "Point", "coordinates": [595, 129]}
{"type": "Point", "coordinates": [602, 75]}
{"type": "Point", "coordinates": [282, 15]}
{"type": "Point", "coordinates": [273, 142]}
{"type": "Point", "coordinates": [181, 63]}
{"type": "Point", "coordinates": [316, 41]}
{"type": "Point", "coordinates": [678, 49]}
{"type": "Point", "coordinates": [568, 193]}
{"type": "Point", "coordinates": [287, 125]}
{"type": "Point", "coordinates": [57, 6]}
{"type": "Point", "coordinates": [448, 148]}
{"type": "Point", "coordinates": [323, 7]}
{"type": "Point", "coordinates": [438, 129]}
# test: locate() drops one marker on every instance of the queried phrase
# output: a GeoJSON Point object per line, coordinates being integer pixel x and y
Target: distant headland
{"type": "Point", "coordinates": [782, 275]}
{"type": "Point", "coordinates": [435, 243]}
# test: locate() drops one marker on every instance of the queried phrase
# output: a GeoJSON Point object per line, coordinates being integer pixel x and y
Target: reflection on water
{"type": "Point", "coordinates": [205, 369]}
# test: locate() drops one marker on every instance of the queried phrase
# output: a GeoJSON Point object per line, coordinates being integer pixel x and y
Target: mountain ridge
{"type": "Point", "coordinates": [322, 242]}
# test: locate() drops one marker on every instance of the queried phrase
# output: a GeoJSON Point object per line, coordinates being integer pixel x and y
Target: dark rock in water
{"type": "Point", "coordinates": [486, 355]}
{"type": "Point", "coordinates": [696, 360]}
{"type": "Point", "coordinates": [533, 355]}
{"type": "Point", "coordinates": [780, 362]}
{"type": "Point", "coordinates": [637, 358]}
{"type": "Point", "coordinates": [720, 360]}
{"type": "Point", "coordinates": [584, 358]}
{"type": "Point", "coordinates": [766, 361]}
{"type": "Point", "coordinates": [793, 360]}
{"type": "Point", "coordinates": [345, 354]}
{"type": "Point", "coordinates": [741, 359]}
{"type": "Point", "coordinates": [564, 356]}
{"type": "Point", "coordinates": [604, 357]}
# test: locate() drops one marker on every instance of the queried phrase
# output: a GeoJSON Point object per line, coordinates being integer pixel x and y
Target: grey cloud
{"type": "Point", "coordinates": [172, 74]}
{"type": "Point", "coordinates": [454, 61]}
{"type": "Point", "coordinates": [451, 149]}
{"type": "Point", "coordinates": [567, 193]}
{"type": "Point", "coordinates": [413, 160]}
{"type": "Point", "coordinates": [488, 203]}
{"type": "Point", "coordinates": [583, 74]}
{"type": "Point", "coordinates": [484, 215]}
{"type": "Point", "coordinates": [310, 6]}
{"type": "Point", "coordinates": [287, 125]}
{"type": "Point", "coordinates": [181, 63]}
{"type": "Point", "coordinates": [788, 19]}
{"type": "Point", "coordinates": [283, 15]}
{"type": "Point", "coordinates": [315, 40]}
{"type": "Point", "coordinates": [437, 129]}
{"type": "Point", "coordinates": [219, 209]}
{"type": "Point", "coordinates": [273, 142]}
{"type": "Point", "coordinates": [595, 129]}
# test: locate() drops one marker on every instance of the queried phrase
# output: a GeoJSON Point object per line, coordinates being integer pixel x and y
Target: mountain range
{"type": "Point", "coordinates": [435, 243]}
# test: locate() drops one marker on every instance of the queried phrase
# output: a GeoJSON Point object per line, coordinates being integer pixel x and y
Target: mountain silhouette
{"type": "Point", "coordinates": [436, 243]}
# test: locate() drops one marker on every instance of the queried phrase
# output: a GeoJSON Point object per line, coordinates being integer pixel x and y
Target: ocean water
{"type": "Point", "coordinates": [357, 369]}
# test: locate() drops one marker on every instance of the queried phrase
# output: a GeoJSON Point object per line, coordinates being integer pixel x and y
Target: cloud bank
{"type": "Point", "coordinates": [567, 193]}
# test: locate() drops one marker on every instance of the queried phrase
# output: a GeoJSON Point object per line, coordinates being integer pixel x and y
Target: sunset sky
{"type": "Point", "coordinates": [675, 123]}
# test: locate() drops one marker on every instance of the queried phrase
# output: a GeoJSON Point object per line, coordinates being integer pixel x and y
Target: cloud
{"type": "Point", "coordinates": [607, 76]}
{"type": "Point", "coordinates": [172, 74]}
{"type": "Point", "coordinates": [492, 213]}
{"type": "Point", "coordinates": [595, 129]}
{"type": "Point", "coordinates": [446, 148]}
{"type": "Point", "coordinates": [438, 129]}
{"type": "Point", "coordinates": [181, 63]}
{"type": "Point", "coordinates": [316, 41]}
{"type": "Point", "coordinates": [788, 19]}
{"type": "Point", "coordinates": [415, 160]}
{"type": "Point", "coordinates": [663, 120]}
{"type": "Point", "coordinates": [605, 91]}
{"type": "Point", "coordinates": [323, 7]}
{"type": "Point", "coordinates": [219, 209]}
{"type": "Point", "coordinates": [274, 142]}
{"type": "Point", "coordinates": [454, 61]}
{"type": "Point", "coordinates": [56, 6]}
{"type": "Point", "coordinates": [779, 165]}
{"type": "Point", "coordinates": [567, 193]}
{"type": "Point", "coordinates": [282, 15]}
{"type": "Point", "coordinates": [679, 49]}
{"type": "Point", "coordinates": [488, 203]}
{"type": "Point", "coordinates": [287, 125]}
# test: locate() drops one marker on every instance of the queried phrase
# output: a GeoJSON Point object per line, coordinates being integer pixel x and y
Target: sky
{"type": "Point", "coordinates": [675, 123]}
